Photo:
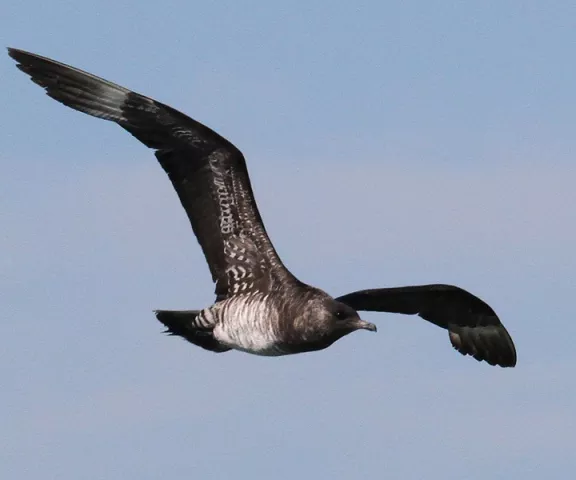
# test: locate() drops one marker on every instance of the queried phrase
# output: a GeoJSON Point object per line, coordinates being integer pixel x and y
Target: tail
{"type": "Point", "coordinates": [181, 323]}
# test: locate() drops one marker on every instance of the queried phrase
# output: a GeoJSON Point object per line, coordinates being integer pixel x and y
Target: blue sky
{"type": "Point", "coordinates": [389, 143]}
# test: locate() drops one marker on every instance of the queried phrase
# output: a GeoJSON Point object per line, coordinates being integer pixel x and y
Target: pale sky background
{"type": "Point", "coordinates": [389, 143]}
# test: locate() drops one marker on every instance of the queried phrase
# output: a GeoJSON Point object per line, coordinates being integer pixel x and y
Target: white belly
{"type": "Point", "coordinates": [248, 328]}
{"type": "Point", "coordinates": [260, 341]}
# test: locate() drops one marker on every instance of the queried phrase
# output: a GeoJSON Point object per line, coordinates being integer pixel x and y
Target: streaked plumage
{"type": "Point", "coordinates": [260, 307]}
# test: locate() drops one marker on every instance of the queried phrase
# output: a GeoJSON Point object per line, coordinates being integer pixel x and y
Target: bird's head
{"type": "Point", "coordinates": [344, 319]}
{"type": "Point", "coordinates": [331, 320]}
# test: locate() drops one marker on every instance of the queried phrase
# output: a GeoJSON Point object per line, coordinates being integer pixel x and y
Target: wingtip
{"type": "Point", "coordinates": [20, 55]}
{"type": "Point", "coordinates": [13, 52]}
{"type": "Point", "coordinates": [492, 345]}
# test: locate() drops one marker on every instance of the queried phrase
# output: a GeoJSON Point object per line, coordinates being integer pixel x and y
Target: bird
{"type": "Point", "coordinates": [260, 308]}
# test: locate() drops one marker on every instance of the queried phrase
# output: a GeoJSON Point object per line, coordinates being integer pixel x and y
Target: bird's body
{"type": "Point", "coordinates": [261, 307]}
{"type": "Point", "coordinates": [257, 323]}
{"type": "Point", "coordinates": [269, 324]}
{"type": "Point", "coordinates": [250, 324]}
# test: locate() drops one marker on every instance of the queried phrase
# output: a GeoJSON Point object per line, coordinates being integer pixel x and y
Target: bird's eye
{"type": "Point", "coordinates": [340, 314]}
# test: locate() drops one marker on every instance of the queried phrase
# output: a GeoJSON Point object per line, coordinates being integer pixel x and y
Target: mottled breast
{"type": "Point", "coordinates": [248, 323]}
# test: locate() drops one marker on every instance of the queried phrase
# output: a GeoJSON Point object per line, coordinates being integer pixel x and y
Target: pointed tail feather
{"type": "Point", "coordinates": [181, 323]}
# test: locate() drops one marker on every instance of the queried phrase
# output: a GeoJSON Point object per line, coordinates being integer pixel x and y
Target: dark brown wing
{"type": "Point", "coordinates": [474, 328]}
{"type": "Point", "coordinates": [208, 173]}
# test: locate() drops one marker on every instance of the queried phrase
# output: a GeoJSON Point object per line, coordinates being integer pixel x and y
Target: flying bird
{"type": "Point", "coordinates": [260, 307]}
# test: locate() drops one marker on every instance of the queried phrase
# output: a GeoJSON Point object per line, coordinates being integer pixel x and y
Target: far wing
{"type": "Point", "coordinates": [474, 328]}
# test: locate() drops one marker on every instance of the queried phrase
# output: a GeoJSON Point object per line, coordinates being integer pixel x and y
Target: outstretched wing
{"type": "Point", "coordinates": [474, 328]}
{"type": "Point", "coordinates": [208, 173]}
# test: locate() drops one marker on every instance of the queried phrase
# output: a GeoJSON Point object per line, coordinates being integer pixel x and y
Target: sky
{"type": "Point", "coordinates": [389, 143]}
